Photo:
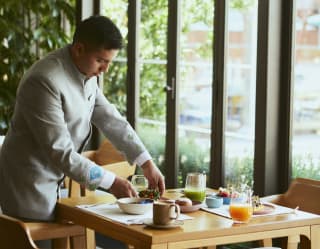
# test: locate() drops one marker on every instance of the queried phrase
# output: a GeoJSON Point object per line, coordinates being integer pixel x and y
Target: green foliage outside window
{"type": "Point", "coordinates": [191, 157]}
{"type": "Point", "coordinates": [153, 46]}
{"type": "Point", "coordinates": [28, 30]}
{"type": "Point", "coordinates": [306, 166]}
{"type": "Point", "coordinates": [191, 154]}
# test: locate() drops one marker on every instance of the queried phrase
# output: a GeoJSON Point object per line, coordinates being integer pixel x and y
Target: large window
{"type": "Point", "coordinates": [255, 77]}
{"type": "Point", "coordinates": [115, 80]}
{"type": "Point", "coordinates": [306, 103]}
{"type": "Point", "coordinates": [152, 42]}
{"type": "Point", "coordinates": [195, 88]}
{"type": "Point", "coordinates": [240, 81]}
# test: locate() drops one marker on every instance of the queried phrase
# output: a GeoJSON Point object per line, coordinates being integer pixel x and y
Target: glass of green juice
{"type": "Point", "coordinates": [195, 188]}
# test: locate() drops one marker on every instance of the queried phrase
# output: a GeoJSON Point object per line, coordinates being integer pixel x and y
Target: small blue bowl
{"type": "Point", "coordinates": [226, 200]}
{"type": "Point", "coordinates": [214, 201]}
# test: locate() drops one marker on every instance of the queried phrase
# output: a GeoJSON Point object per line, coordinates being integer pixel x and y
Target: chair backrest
{"type": "Point", "coordinates": [108, 157]}
{"type": "Point", "coordinates": [123, 169]}
{"type": "Point", "coordinates": [14, 234]}
{"type": "Point", "coordinates": [105, 154]}
{"type": "Point", "coordinates": [302, 192]}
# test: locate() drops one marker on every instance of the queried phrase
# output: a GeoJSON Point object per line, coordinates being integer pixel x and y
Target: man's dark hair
{"type": "Point", "coordinates": [98, 32]}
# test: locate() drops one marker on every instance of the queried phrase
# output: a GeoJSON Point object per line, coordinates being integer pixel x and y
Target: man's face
{"type": "Point", "coordinates": [92, 62]}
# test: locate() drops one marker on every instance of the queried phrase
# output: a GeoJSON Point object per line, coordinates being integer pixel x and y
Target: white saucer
{"type": "Point", "coordinates": [149, 223]}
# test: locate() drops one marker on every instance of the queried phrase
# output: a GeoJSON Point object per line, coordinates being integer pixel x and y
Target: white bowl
{"type": "Point", "coordinates": [132, 205]}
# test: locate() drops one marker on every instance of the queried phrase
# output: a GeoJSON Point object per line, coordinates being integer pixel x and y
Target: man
{"type": "Point", "coordinates": [57, 100]}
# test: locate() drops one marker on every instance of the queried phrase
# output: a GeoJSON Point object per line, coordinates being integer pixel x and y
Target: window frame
{"type": "Point", "coordinates": [272, 153]}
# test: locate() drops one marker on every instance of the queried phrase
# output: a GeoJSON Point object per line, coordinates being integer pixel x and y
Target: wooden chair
{"type": "Point", "coordinates": [15, 234]}
{"type": "Point", "coordinates": [105, 154]}
{"type": "Point", "coordinates": [108, 157]}
{"type": "Point", "coordinates": [59, 233]}
{"type": "Point", "coordinates": [303, 193]}
{"type": "Point", "coordinates": [62, 235]}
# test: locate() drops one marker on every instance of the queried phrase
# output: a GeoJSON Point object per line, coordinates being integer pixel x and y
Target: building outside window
{"type": "Point", "coordinates": [306, 101]}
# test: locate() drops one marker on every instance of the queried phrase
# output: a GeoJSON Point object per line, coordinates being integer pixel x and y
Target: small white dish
{"type": "Point", "coordinates": [176, 223]}
{"type": "Point", "coordinates": [133, 205]}
{"type": "Point", "coordinates": [196, 205]}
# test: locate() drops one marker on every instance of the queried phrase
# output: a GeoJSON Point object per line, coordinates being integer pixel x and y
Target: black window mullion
{"type": "Point", "coordinates": [172, 157]}
{"type": "Point", "coordinates": [96, 7]}
{"type": "Point", "coordinates": [217, 170]}
{"type": "Point", "coordinates": [287, 44]}
{"type": "Point", "coordinates": [134, 14]}
{"type": "Point", "coordinates": [78, 11]}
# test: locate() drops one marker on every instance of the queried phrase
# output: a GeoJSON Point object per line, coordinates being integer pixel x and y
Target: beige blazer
{"type": "Point", "coordinates": [51, 125]}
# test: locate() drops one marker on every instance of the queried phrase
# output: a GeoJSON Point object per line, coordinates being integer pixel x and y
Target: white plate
{"type": "Point", "coordinates": [149, 223]}
{"type": "Point", "coordinates": [196, 205]}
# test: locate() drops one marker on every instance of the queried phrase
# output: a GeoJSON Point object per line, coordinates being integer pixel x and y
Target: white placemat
{"type": "Point", "coordinates": [113, 212]}
{"type": "Point", "coordinates": [224, 210]}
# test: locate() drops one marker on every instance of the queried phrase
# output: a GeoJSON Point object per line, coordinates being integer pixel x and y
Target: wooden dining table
{"type": "Point", "coordinates": [204, 230]}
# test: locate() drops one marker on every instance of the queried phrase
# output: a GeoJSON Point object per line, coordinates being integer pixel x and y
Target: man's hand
{"type": "Point", "coordinates": [122, 188]}
{"type": "Point", "coordinates": [154, 176]}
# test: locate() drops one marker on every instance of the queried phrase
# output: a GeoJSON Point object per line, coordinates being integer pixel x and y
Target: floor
{"type": "Point", "coordinates": [103, 242]}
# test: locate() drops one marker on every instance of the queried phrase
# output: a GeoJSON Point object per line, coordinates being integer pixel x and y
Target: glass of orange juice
{"type": "Point", "coordinates": [241, 206]}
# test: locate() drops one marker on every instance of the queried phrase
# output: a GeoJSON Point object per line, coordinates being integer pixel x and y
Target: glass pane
{"type": "Point", "coordinates": [240, 83]}
{"type": "Point", "coordinates": [306, 101]}
{"type": "Point", "coordinates": [114, 86]}
{"type": "Point", "coordinates": [195, 87]}
{"type": "Point", "coordinates": [151, 124]}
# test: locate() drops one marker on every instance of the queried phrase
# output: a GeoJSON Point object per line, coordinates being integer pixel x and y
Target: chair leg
{"type": "Point", "coordinates": [78, 242]}
{"type": "Point", "coordinates": [60, 243]}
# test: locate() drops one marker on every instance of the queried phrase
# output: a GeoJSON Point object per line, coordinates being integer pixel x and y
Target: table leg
{"type": "Point", "coordinates": [91, 240]}
{"type": "Point", "coordinates": [315, 237]}
{"type": "Point", "coordinates": [293, 241]}
{"type": "Point", "coordinates": [266, 242]}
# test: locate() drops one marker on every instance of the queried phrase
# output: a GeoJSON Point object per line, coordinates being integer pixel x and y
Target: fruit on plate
{"type": "Point", "coordinates": [184, 201]}
{"type": "Point", "coordinates": [227, 194]}
{"type": "Point", "coordinates": [150, 193]}
{"type": "Point", "coordinates": [223, 192]}
{"type": "Point", "coordinates": [257, 205]}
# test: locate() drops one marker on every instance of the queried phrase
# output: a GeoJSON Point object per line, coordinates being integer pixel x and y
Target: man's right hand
{"type": "Point", "coordinates": [122, 188]}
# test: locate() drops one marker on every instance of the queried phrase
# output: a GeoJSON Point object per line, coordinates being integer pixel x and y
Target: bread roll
{"type": "Point", "coordinates": [184, 201]}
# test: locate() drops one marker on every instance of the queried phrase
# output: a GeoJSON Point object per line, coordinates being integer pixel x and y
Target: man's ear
{"type": "Point", "coordinates": [78, 48]}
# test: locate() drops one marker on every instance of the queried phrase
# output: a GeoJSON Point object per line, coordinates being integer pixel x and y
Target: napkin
{"type": "Point", "coordinates": [113, 212]}
{"type": "Point", "coordinates": [224, 210]}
